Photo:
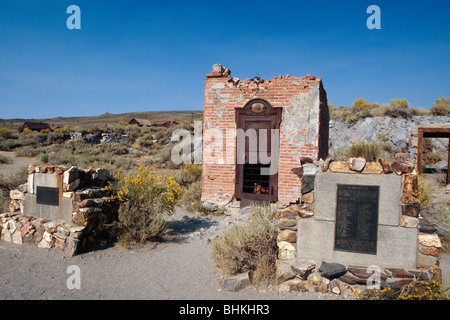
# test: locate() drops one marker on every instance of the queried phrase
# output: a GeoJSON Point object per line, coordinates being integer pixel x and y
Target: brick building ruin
{"type": "Point", "coordinates": [291, 110]}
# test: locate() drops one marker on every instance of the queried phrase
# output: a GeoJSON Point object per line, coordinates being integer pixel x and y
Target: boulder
{"type": "Point", "coordinates": [402, 167]}
{"type": "Point", "coordinates": [287, 235]}
{"type": "Point", "coordinates": [385, 165]}
{"type": "Point", "coordinates": [332, 270]}
{"type": "Point", "coordinates": [237, 282]}
{"type": "Point", "coordinates": [303, 269]}
{"type": "Point", "coordinates": [356, 164]}
{"type": "Point", "coordinates": [430, 240]}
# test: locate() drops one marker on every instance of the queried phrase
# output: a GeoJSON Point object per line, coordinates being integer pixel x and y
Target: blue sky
{"type": "Point", "coordinates": [154, 55]}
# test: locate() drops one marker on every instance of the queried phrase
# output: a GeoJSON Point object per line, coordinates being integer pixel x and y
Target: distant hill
{"type": "Point", "coordinates": [108, 118]}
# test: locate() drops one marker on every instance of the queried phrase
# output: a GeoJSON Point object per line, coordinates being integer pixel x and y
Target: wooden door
{"type": "Point", "coordinates": [252, 182]}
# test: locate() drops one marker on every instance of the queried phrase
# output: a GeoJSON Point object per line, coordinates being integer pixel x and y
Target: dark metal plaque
{"type": "Point", "coordinates": [47, 195]}
{"type": "Point", "coordinates": [356, 218]}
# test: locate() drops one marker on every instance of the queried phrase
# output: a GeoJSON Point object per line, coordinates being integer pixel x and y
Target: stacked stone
{"type": "Point", "coordinates": [306, 276]}
{"type": "Point", "coordinates": [429, 243]}
{"type": "Point", "coordinates": [43, 233]}
{"type": "Point", "coordinates": [93, 210]}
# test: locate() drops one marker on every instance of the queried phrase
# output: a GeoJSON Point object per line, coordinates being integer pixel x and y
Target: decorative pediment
{"type": "Point", "coordinates": [257, 107]}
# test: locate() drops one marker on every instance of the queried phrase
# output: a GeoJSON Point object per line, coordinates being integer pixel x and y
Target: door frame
{"type": "Point", "coordinates": [259, 110]}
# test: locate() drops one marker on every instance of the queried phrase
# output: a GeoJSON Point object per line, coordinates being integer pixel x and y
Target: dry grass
{"type": "Point", "coordinates": [249, 247]}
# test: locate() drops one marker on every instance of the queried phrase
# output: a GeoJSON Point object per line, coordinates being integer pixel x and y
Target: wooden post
{"type": "Point", "coordinates": [448, 163]}
{"type": "Point", "coordinates": [419, 151]}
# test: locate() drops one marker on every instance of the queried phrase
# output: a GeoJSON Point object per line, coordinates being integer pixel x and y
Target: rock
{"type": "Point", "coordinates": [430, 240]}
{"type": "Point", "coordinates": [17, 195]}
{"type": "Point", "coordinates": [356, 164]}
{"type": "Point", "coordinates": [400, 273]}
{"type": "Point", "coordinates": [102, 174]}
{"type": "Point", "coordinates": [284, 245]}
{"type": "Point", "coordinates": [294, 285]}
{"type": "Point", "coordinates": [287, 235]}
{"type": "Point", "coordinates": [237, 282]}
{"type": "Point", "coordinates": [290, 212]}
{"type": "Point", "coordinates": [86, 203]}
{"type": "Point", "coordinates": [43, 244]}
{"type": "Point", "coordinates": [326, 164]}
{"type": "Point", "coordinates": [70, 175]}
{"type": "Point", "coordinates": [385, 165]}
{"type": "Point", "coordinates": [409, 222]}
{"type": "Point", "coordinates": [305, 160]}
{"type": "Point", "coordinates": [297, 171]}
{"type": "Point", "coordinates": [334, 287]}
{"type": "Point", "coordinates": [394, 286]}
{"type": "Point", "coordinates": [286, 254]}
{"type": "Point", "coordinates": [431, 251]}
{"type": "Point", "coordinates": [410, 210]}
{"type": "Point", "coordinates": [284, 271]}
{"type": "Point", "coordinates": [60, 169]}
{"type": "Point", "coordinates": [332, 270]}
{"type": "Point", "coordinates": [372, 168]}
{"type": "Point", "coordinates": [308, 198]}
{"type": "Point", "coordinates": [306, 212]}
{"type": "Point", "coordinates": [410, 185]}
{"type": "Point", "coordinates": [323, 288]}
{"type": "Point", "coordinates": [426, 227]}
{"type": "Point", "coordinates": [71, 247]}
{"type": "Point", "coordinates": [287, 222]}
{"type": "Point", "coordinates": [340, 166]}
{"type": "Point", "coordinates": [409, 199]}
{"type": "Point", "coordinates": [401, 167]}
{"type": "Point", "coordinates": [309, 169]}
{"type": "Point", "coordinates": [17, 236]}
{"type": "Point", "coordinates": [31, 168]}
{"type": "Point", "coordinates": [303, 269]}
{"type": "Point", "coordinates": [315, 279]}
{"type": "Point", "coordinates": [72, 186]}
{"type": "Point", "coordinates": [307, 183]}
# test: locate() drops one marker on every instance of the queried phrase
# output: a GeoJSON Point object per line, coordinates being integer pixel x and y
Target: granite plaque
{"type": "Point", "coordinates": [356, 218]}
{"type": "Point", "coordinates": [47, 195]}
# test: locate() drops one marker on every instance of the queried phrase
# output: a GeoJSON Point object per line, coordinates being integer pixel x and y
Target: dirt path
{"type": "Point", "coordinates": [178, 269]}
{"type": "Point", "coordinates": [16, 163]}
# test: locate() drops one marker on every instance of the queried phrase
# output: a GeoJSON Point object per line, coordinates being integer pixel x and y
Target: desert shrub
{"type": "Point", "coordinates": [8, 183]}
{"type": "Point", "coordinates": [430, 158]}
{"type": "Point", "coordinates": [144, 197]}
{"type": "Point", "coordinates": [191, 196]}
{"type": "Point", "coordinates": [441, 107]}
{"type": "Point", "coordinates": [4, 160]}
{"type": "Point", "coordinates": [5, 133]}
{"type": "Point", "coordinates": [250, 246]}
{"type": "Point", "coordinates": [370, 150]}
{"type": "Point", "coordinates": [424, 192]}
{"type": "Point", "coordinates": [28, 151]}
{"type": "Point", "coordinates": [418, 290]}
{"type": "Point", "coordinates": [145, 141]}
{"type": "Point", "coordinates": [190, 173]}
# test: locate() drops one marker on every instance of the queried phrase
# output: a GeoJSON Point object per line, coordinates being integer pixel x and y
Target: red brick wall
{"type": "Point", "coordinates": [223, 94]}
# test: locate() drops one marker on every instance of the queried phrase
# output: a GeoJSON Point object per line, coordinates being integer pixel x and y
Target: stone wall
{"type": "Point", "coordinates": [303, 128]}
{"type": "Point", "coordinates": [77, 224]}
{"type": "Point", "coordinates": [405, 241]}
{"type": "Point", "coordinates": [397, 132]}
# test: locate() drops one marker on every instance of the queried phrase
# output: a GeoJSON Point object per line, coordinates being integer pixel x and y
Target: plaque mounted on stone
{"type": "Point", "coordinates": [47, 195]}
{"type": "Point", "coordinates": [356, 218]}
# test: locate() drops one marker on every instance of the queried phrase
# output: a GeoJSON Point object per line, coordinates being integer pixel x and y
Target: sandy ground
{"type": "Point", "coordinates": [181, 268]}
{"type": "Point", "coordinates": [16, 163]}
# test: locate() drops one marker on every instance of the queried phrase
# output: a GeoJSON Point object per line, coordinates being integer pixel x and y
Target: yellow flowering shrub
{"type": "Point", "coordinates": [143, 196]}
{"type": "Point", "coordinates": [424, 192]}
{"type": "Point", "coordinates": [145, 187]}
{"type": "Point", "coordinates": [417, 290]}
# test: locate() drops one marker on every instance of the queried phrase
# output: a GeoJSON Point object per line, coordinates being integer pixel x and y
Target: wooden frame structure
{"type": "Point", "coordinates": [440, 130]}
